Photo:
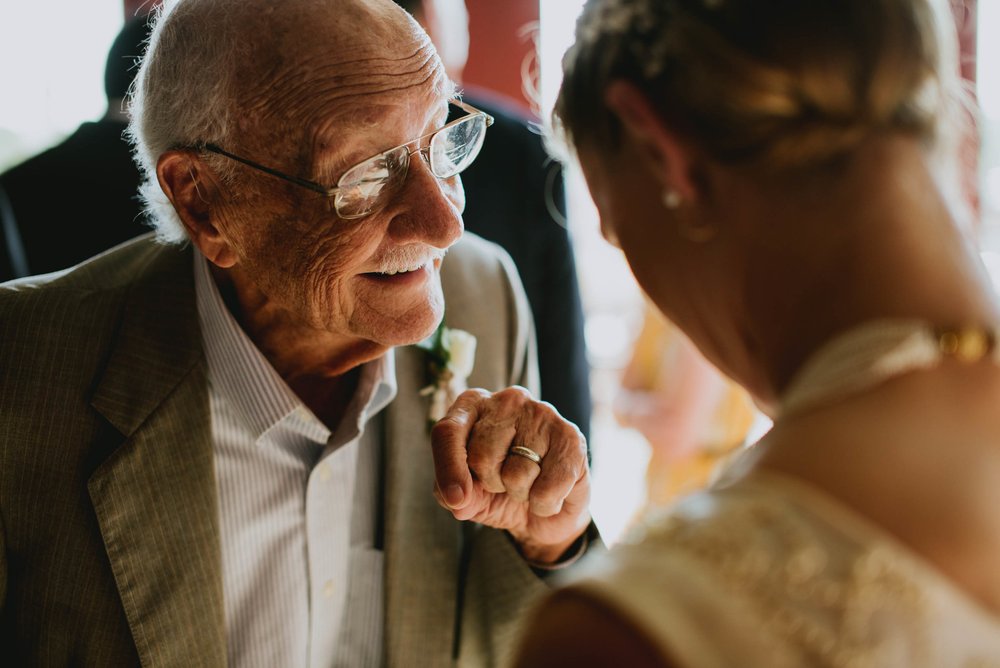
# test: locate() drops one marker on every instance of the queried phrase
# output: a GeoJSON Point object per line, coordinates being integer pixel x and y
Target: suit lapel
{"type": "Point", "coordinates": [422, 540]}
{"type": "Point", "coordinates": [155, 496]}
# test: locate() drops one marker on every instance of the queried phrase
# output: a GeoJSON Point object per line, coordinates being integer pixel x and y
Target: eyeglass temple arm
{"type": "Point", "coordinates": [311, 185]}
{"type": "Point", "coordinates": [469, 109]}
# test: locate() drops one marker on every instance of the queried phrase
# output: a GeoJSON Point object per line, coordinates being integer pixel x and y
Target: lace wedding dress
{"type": "Point", "coordinates": [769, 571]}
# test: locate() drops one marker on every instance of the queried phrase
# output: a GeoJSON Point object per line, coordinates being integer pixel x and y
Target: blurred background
{"type": "Point", "coordinates": [51, 80]}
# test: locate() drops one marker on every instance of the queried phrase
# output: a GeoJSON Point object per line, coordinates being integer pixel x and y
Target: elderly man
{"type": "Point", "coordinates": [218, 452]}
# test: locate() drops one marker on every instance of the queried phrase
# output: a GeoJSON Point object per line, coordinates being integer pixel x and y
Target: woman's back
{"type": "Point", "coordinates": [863, 530]}
{"type": "Point", "coordinates": [768, 571]}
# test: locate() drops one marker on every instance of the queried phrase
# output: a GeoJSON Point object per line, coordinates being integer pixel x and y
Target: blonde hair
{"type": "Point", "coordinates": [780, 83]}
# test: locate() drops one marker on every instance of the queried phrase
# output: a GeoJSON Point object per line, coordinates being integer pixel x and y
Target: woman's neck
{"type": "Point", "coordinates": [876, 242]}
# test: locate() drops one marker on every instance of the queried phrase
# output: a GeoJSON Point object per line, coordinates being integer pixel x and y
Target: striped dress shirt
{"type": "Point", "coordinates": [297, 505]}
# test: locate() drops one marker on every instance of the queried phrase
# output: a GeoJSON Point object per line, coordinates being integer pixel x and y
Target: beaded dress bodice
{"type": "Point", "coordinates": [766, 570]}
{"type": "Point", "coordinates": [770, 572]}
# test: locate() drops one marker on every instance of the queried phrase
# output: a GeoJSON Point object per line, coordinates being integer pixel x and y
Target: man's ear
{"type": "Point", "coordinates": [670, 158]}
{"type": "Point", "coordinates": [190, 187]}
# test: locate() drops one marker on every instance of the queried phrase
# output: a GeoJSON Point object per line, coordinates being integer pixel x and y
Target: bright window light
{"type": "Point", "coordinates": [612, 307]}
{"type": "Point", "coordinates": [53, 74]}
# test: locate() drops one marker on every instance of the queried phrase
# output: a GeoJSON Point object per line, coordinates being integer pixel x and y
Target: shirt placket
{"type": "Point", "coordinates": [329, 495]}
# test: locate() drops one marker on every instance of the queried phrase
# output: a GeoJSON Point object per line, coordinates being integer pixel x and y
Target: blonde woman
{"type": "Point", "coordinates": [776, 173]}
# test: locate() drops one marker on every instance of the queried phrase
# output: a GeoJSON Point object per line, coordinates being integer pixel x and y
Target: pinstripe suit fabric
{"type": "Point", "coordinates": [109, 538]}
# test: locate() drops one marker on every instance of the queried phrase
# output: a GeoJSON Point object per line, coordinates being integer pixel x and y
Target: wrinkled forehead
{"type": "Point", "coordinates": [420, 102]}
{"type": "Point", "coordinates": [327, 69]}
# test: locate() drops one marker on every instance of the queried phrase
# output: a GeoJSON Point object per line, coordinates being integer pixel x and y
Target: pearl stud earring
{"type": "Point", "coordinates": [671, 199]}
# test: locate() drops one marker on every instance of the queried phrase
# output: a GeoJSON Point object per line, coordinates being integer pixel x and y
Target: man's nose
{"type": "Point", "coordinates": [433, 208]}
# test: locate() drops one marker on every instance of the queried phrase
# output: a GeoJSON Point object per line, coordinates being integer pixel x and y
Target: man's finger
{"type": "Point", "coordinates": [488, 444]}
{"type": "Point", "coordinates": [493, 434]}
{"type": "Point", "coordinates": [449, 439]}
{"type": "Point", "coordinates": [564, 464]}
{"type": "Point", "coordinates": [519, 474]}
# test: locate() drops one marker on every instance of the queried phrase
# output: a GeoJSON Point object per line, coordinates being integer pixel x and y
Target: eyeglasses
{"type": "Point", "coordinates": [366, 186]}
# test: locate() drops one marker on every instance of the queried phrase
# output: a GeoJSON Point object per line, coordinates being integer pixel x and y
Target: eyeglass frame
{"type": "Point", "coordinates": [332, 192]}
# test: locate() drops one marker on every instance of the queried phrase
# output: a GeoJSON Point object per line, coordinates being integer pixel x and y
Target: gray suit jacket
{"type": "Point", "coordinates": [109, 536]}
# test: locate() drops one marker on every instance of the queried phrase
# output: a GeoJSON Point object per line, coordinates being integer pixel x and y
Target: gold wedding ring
{"type": "Point", "coordinates": [527, 453]}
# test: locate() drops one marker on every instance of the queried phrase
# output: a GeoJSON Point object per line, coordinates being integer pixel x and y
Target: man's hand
{"type": "Point", "coordinates": [544, 506]}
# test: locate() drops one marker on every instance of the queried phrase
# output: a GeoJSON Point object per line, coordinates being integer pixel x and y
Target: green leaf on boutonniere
{"type": "Point", "coordinates": [438, 353]}
{"type": "Point", "coordinates": [451, 355]}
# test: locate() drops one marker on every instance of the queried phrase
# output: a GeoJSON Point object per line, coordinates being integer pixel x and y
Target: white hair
{"type": "Point", "coordinates": [184, 93]}
{"type": "Point", "coordinates": [192, 84]}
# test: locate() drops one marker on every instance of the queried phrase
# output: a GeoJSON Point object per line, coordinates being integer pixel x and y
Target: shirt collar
{"type": "Point", "coordinates": [241, 374]}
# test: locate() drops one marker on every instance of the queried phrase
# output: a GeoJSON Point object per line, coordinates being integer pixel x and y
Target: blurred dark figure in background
{"type": "Point", "coordinates": [81, 192]}
{"type": "Point", "coordinates": [514, 197]}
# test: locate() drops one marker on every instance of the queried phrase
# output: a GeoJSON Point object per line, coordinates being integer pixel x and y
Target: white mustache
{"type": "Point", "coordinates": [408, 258]}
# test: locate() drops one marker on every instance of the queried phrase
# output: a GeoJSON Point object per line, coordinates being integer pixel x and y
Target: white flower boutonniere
{"type": "Point", "coordinates": [451, 354]}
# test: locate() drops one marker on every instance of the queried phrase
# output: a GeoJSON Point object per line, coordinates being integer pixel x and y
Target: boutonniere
{"type": "Point", "coordinates": [451, 353]}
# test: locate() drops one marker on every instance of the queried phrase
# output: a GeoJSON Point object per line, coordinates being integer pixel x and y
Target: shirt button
{"type": "Point", "coordinates": [328, 589]}
{"type": "Point", "coordinates": [324, 472]}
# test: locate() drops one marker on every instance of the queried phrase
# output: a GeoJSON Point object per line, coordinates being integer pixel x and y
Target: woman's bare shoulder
{"type": "Point", "coordinates": [572, 629]}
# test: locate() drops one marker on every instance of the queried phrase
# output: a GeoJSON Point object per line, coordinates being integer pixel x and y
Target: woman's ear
{"type": "Point", "coordinates": [191, 188]}
{"type": "Point", "coordinates": [670, 158]}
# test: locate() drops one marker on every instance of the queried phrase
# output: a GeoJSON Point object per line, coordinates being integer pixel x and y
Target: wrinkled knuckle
{"type": "Point", "coordinates": [509, 475]}
{"type": "Point", "coordinates": [568, 438]}
{"type": "Point", "coordinates": [573, 433]}
{"type": "Point", "coordinates": [562, 471]}
{"type": "Point", "coordinates": [581, 453]}
{"type": "Point", "coordinates": [560, 425]}
{"type": "Point", "coordinates": [514, 395]}
{"type": "Point", "coordinates": [559, 455]}
{"type": "Point", "coordinates": [474, 394]}
{"type": "Point", "coordinates": [521, 391]}
{"type": "Point", "coordinates": [516, 471]}
{"type": "Point", "coordinates": [515, 483]}
{"type": "Point", "coordinates": [494, 487]}
{"type": "Point", "coordinates": [471, 398]}
{"type": "Point", "coordinates": [444, 428]}
{"type": "Point", "coordinates": [477, 461]}
{"type": "Point", "coordinates": [574, 437]}
{"type": "Point", "coordinates": [545, 507]}
{"type": "Point", "coordinates": [548, 418]}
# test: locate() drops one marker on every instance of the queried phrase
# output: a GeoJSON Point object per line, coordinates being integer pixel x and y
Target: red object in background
{"type": "Point", "coordinates": [501, 47]}
{"type": "Point", "coordinates": [966, 20]}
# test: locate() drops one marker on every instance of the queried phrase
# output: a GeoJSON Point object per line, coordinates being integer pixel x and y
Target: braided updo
{"type": "Point", "coordinates": [780, 83]}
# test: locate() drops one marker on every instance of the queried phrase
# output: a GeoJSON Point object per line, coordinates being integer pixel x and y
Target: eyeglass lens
{"type": "Point", "coordinates": [452, 149]}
